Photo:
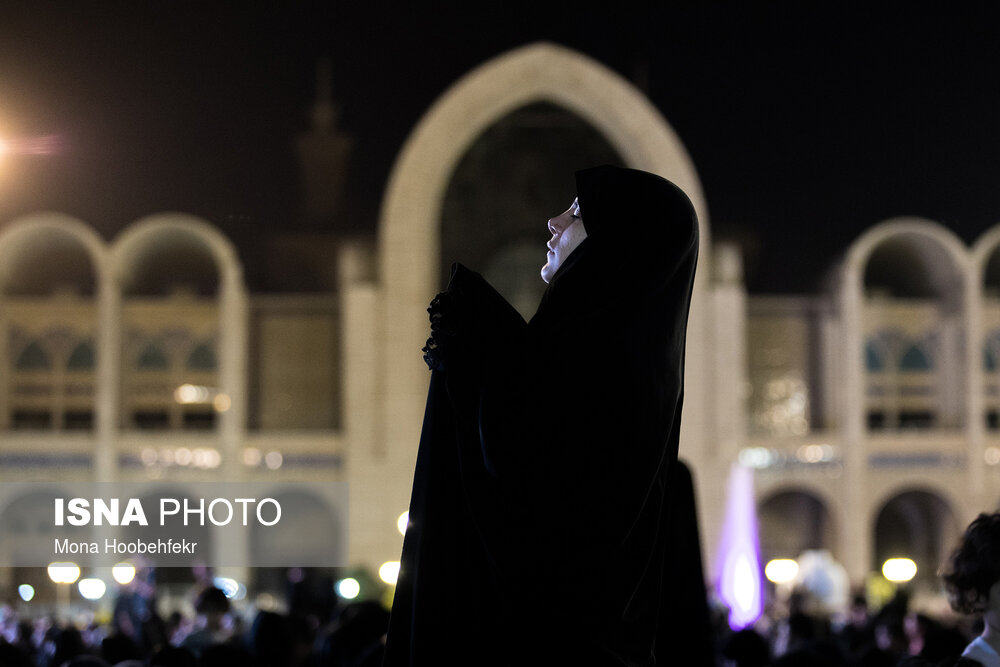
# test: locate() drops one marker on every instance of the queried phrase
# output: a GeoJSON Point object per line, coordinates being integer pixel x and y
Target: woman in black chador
{"type": "Point", "coordinates": [542, 517]}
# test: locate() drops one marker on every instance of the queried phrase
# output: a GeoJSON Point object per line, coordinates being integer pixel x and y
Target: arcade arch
{"type": "Point", "coordinates": [985, 371]}
{"type": "Point", "coordinates": [792, 521]}
{"type": "Point", "coordinates": [910, 274]}
{"type": "Point", "coordinates": [176, 275]}
{"type": "Point", "coordinates": [48, 351]}
{"type": "Point", "coordinates": [917, 523]}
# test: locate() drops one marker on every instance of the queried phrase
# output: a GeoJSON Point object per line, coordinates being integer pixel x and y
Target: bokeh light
{"type": "Point", "coordinates": [899, 570]}
{"type": "Point", "coordinates": [389, 572]}
{"type": "Point", "coordinates": [64, 573]}
{"type": "Point", "coordinates": [123, 573]}
{"type": "Point", "coordinates": [92, 589]}
{"type": "Point", "coordinates": [348, 588]}
{"type": "Point", "coordinates": [26, 591]}
{"type": "Point", "coordinates": [781, 570]}
{"type": "Point", "coordinates": [273, 460]}
{"type": "Point", "coordinates": [229, 586]}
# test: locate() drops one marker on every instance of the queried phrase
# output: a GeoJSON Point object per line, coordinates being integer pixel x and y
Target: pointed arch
{"type": "Point", "coordinates": [409, 238]}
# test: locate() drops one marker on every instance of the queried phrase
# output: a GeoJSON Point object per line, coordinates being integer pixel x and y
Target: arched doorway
{"type": "Point", "coordinates": [917, 524]}
{"type": "Point", "coordinates": [793, 521]}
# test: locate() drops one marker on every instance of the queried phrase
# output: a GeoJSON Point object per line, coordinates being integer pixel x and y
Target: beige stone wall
{"type": "Point", "coordinates": [295, 364]}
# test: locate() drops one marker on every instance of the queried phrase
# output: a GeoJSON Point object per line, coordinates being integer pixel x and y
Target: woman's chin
{"type": "Point", "coordinates": [547, 272]}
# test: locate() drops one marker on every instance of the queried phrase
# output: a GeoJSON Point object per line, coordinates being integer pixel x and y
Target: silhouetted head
{"type": "Point", "coordinates": [974, 568]}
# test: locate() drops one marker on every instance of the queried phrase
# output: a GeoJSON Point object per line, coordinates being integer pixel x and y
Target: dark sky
{"type": "Point", "coordinates": [806, 126]}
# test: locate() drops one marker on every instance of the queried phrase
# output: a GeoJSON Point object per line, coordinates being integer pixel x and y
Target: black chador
{"type": "Point", "coordinates": [541, 505]}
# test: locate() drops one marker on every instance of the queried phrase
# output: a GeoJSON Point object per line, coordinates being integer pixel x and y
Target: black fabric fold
{"type": "Point", "coordinates": [541, 511]}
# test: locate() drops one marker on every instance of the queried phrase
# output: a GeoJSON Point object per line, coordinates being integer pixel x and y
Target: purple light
{"type": "Point", "coordinates": [740, 581]}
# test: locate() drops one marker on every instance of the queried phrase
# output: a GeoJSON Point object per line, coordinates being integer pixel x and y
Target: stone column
{"type": "Point", "coordinates": [107, 386]}
{"type": "Point", "coordinates": [975, 414]}
{"type": "Point", "coordinates": [379, 484]}
{"type": "Point", "coordinates": [857, 543]}
{"type": "Point", "coordinates": [233, 324]}
{"type": "Point", "coordinates": [724, 433]}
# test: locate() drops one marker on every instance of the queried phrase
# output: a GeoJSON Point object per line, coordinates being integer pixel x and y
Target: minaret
{"type": "Point", "coordinates": [323, 155]}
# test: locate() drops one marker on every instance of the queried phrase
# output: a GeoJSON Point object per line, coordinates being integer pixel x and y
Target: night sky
{"type": "Point", "coordinates": [807, 127]}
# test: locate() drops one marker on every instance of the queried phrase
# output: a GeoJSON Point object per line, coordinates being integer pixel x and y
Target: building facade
{"type": "Point", "coordinates": [870, 412]}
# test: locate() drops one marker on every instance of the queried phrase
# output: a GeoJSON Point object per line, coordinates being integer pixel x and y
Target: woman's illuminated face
{"type": "Point", "coordinates": [567, 233]}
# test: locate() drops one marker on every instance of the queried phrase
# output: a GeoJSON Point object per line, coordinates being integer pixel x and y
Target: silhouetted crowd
{"type": "Point", "coordinates": [352, 636]}
{"type": "Point", "coordinates": [893, 636]}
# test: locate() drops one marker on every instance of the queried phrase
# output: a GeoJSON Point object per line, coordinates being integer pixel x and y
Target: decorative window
{"type": "Point", "coordinates": [991, 352]}
{"type": "Point", "coordinates": [873, 358]}
{"type": "Point", "coordinates": [153, 358]}
{"type": "Point", "coordinates": [202, 358]}
{"type": "Point", "coordinates": [914, 360]}
{"type": "Point", "coordinates": [34, 358]}
{"type": "Point", "coordinates": [82, 357]}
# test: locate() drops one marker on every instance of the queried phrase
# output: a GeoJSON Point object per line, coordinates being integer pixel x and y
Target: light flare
{"type": "Point", "coordinates": [49, 144]}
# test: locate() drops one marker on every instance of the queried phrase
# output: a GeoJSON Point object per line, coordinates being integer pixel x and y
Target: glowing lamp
{"type": "Point", "coordinates": [899, 570]}
{"type": "Point", "coordinates": [64, 573]}
{"type": "Point", "coordinates": [389, 572]}
{"type": "Point", "coordinates": [781, 570]}
{"type": "Point", "coordinates": [26, 591]}
{"type": "Point", "coordinates": [348, 588]}
{"type": "Point", "coordinates": [123, 573]}
{"type": "Point", "coordinates": [402, 522]}
{"type": "Point", "coordinates": [92, 589]}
